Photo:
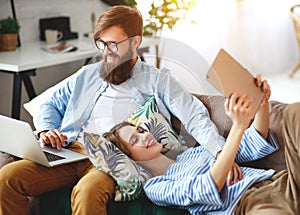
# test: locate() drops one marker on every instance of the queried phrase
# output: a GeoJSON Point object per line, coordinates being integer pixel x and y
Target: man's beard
{"type": "Point", "coordinates": [119, 70]}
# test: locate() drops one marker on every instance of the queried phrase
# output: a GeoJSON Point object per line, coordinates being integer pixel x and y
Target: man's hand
{"type": "Point", "coordinates": [53, 137]}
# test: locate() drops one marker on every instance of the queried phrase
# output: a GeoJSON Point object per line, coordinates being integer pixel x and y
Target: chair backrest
{"type": "Point", "coordinates": [295, 15]}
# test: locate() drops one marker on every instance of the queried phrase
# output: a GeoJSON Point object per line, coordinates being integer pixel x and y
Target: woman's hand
{"type": "Point", "coordinates": [238, 108]}
{"type": "Point", "coordinates": [262, 116]}
{"type": "Point", "coordinates": [264, 85]}
{"type": "Point", "coordinates": [234, 175]}
{"type": "Point", "coordinates": [53, 137]}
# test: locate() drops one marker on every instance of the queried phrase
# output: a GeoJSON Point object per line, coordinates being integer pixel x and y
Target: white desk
{"type": "Point", "coordinates": [31, 56]}
{"type": "Point", "coordinates": [26, 59]}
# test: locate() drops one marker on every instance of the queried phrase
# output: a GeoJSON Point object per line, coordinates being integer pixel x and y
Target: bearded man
{"type": "Point", "coordinates": [99, 96]}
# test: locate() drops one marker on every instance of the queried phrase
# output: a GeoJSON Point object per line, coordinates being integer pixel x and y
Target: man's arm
{"type": "Point", "coordinates": [53, 109]}
{"type": "Point", "coordinates": [190, 111]}
{"type": "Point", "coordinates": [51, 113]}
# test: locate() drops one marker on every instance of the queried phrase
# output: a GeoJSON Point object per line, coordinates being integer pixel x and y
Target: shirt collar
{"type": "Point", "coordinates": [137, 67]}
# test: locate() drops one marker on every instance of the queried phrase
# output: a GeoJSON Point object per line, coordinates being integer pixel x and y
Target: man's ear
{"type": "Point", "coordinates": [135, 42]}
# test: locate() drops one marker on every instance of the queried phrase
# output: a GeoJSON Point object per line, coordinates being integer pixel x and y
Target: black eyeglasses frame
{"type": "Point", "coordinates": [107, 44]}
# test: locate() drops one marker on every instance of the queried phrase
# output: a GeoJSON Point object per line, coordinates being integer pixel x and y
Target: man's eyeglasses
{"type": "Point", "coordinates": [112, 46]}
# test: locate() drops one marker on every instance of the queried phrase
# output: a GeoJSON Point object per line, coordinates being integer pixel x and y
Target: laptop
{"type": "Point", "coordinates": [17, 138]}
{"type": "Point", "coordinates": [228, 76]}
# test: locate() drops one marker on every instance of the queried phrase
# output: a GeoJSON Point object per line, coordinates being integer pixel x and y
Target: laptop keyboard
{"type": "Point", "coordinates": [52, 157]}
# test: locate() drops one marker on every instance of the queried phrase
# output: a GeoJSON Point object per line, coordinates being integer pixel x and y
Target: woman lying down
{"type": "Point", "coordinates": [196, 180]}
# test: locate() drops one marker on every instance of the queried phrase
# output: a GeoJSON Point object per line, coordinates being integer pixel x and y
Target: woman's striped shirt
{"type": "Point", "coordinates": [188, 183]}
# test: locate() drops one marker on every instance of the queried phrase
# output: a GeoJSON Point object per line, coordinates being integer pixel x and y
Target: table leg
{"type": "Point", "coordinates": [17, 91]}
{"type": "Point", "coordinates": [28, 84]}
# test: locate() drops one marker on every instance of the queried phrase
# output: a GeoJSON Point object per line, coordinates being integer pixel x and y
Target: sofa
{"type": "Point", "coordinates": [58, 201]}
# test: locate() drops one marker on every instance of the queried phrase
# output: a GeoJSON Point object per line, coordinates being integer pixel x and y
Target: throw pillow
{"type": "Point", "coordinates": [33, 106]}
{"type": "Point", "coordinates": [149, 118]}
{"type": "Point", "coordinates": [106, 157]}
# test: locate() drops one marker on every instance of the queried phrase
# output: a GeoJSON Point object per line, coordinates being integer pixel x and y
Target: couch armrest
{"type": "Point", "coordinates": [6, 158]}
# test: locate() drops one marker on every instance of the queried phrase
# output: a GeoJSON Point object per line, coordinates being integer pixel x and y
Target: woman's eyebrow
{"type": "Point", "coordinates": [140, 128]}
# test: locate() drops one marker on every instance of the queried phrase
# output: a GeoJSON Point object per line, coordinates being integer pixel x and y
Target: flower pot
{"type": "Point", "coordinates": [8, 42]}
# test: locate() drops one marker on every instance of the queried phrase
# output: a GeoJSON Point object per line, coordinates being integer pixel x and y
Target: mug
{"type": "Point", "coordinates": [52, 36]}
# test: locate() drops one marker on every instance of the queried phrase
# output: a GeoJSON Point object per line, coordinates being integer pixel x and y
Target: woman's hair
{"type": "Point", "coordinates": [114, 138]}
{"type": "Point", "coordinates": [129, 19]}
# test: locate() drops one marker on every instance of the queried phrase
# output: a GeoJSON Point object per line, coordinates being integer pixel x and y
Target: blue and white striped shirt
{"type": "Point", "coordinates": [188, 183]}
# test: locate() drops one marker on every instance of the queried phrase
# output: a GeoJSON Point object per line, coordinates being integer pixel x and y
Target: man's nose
{"type": "Point", "coordinates": [106, 51]}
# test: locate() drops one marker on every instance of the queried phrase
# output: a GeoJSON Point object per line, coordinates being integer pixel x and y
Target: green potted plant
{"type": "Point", "coordinates": [9, 29]}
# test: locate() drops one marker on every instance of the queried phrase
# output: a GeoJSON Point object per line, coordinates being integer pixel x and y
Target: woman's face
{"type": "Point", "coordinates": [141, 144]}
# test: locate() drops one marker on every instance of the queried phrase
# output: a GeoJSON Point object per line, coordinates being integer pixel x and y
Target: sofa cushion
{"type": "Point", "coordinates": [275, 160]}
{"type": "Point", "coordinates": [33, 106]}
{"type": "Point", "coordinates": [58, 203]}
{"type": "Point", "coordinates": [215, 107]}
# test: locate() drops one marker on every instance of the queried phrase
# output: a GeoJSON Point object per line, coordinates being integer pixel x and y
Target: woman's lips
{"type": "Point", "coordinates": [151, 143]}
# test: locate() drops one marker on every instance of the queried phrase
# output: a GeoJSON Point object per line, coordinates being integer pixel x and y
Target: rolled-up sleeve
{"type": "Point", "coordinates": [253, 146]}
{"type": "Point", "coordinates": [200, 190]}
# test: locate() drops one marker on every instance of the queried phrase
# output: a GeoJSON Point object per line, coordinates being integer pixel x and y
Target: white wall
{"type": "Point", "coordinates": [258, 33]}
{"type": "Point", "coordinates": [28, 13]}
